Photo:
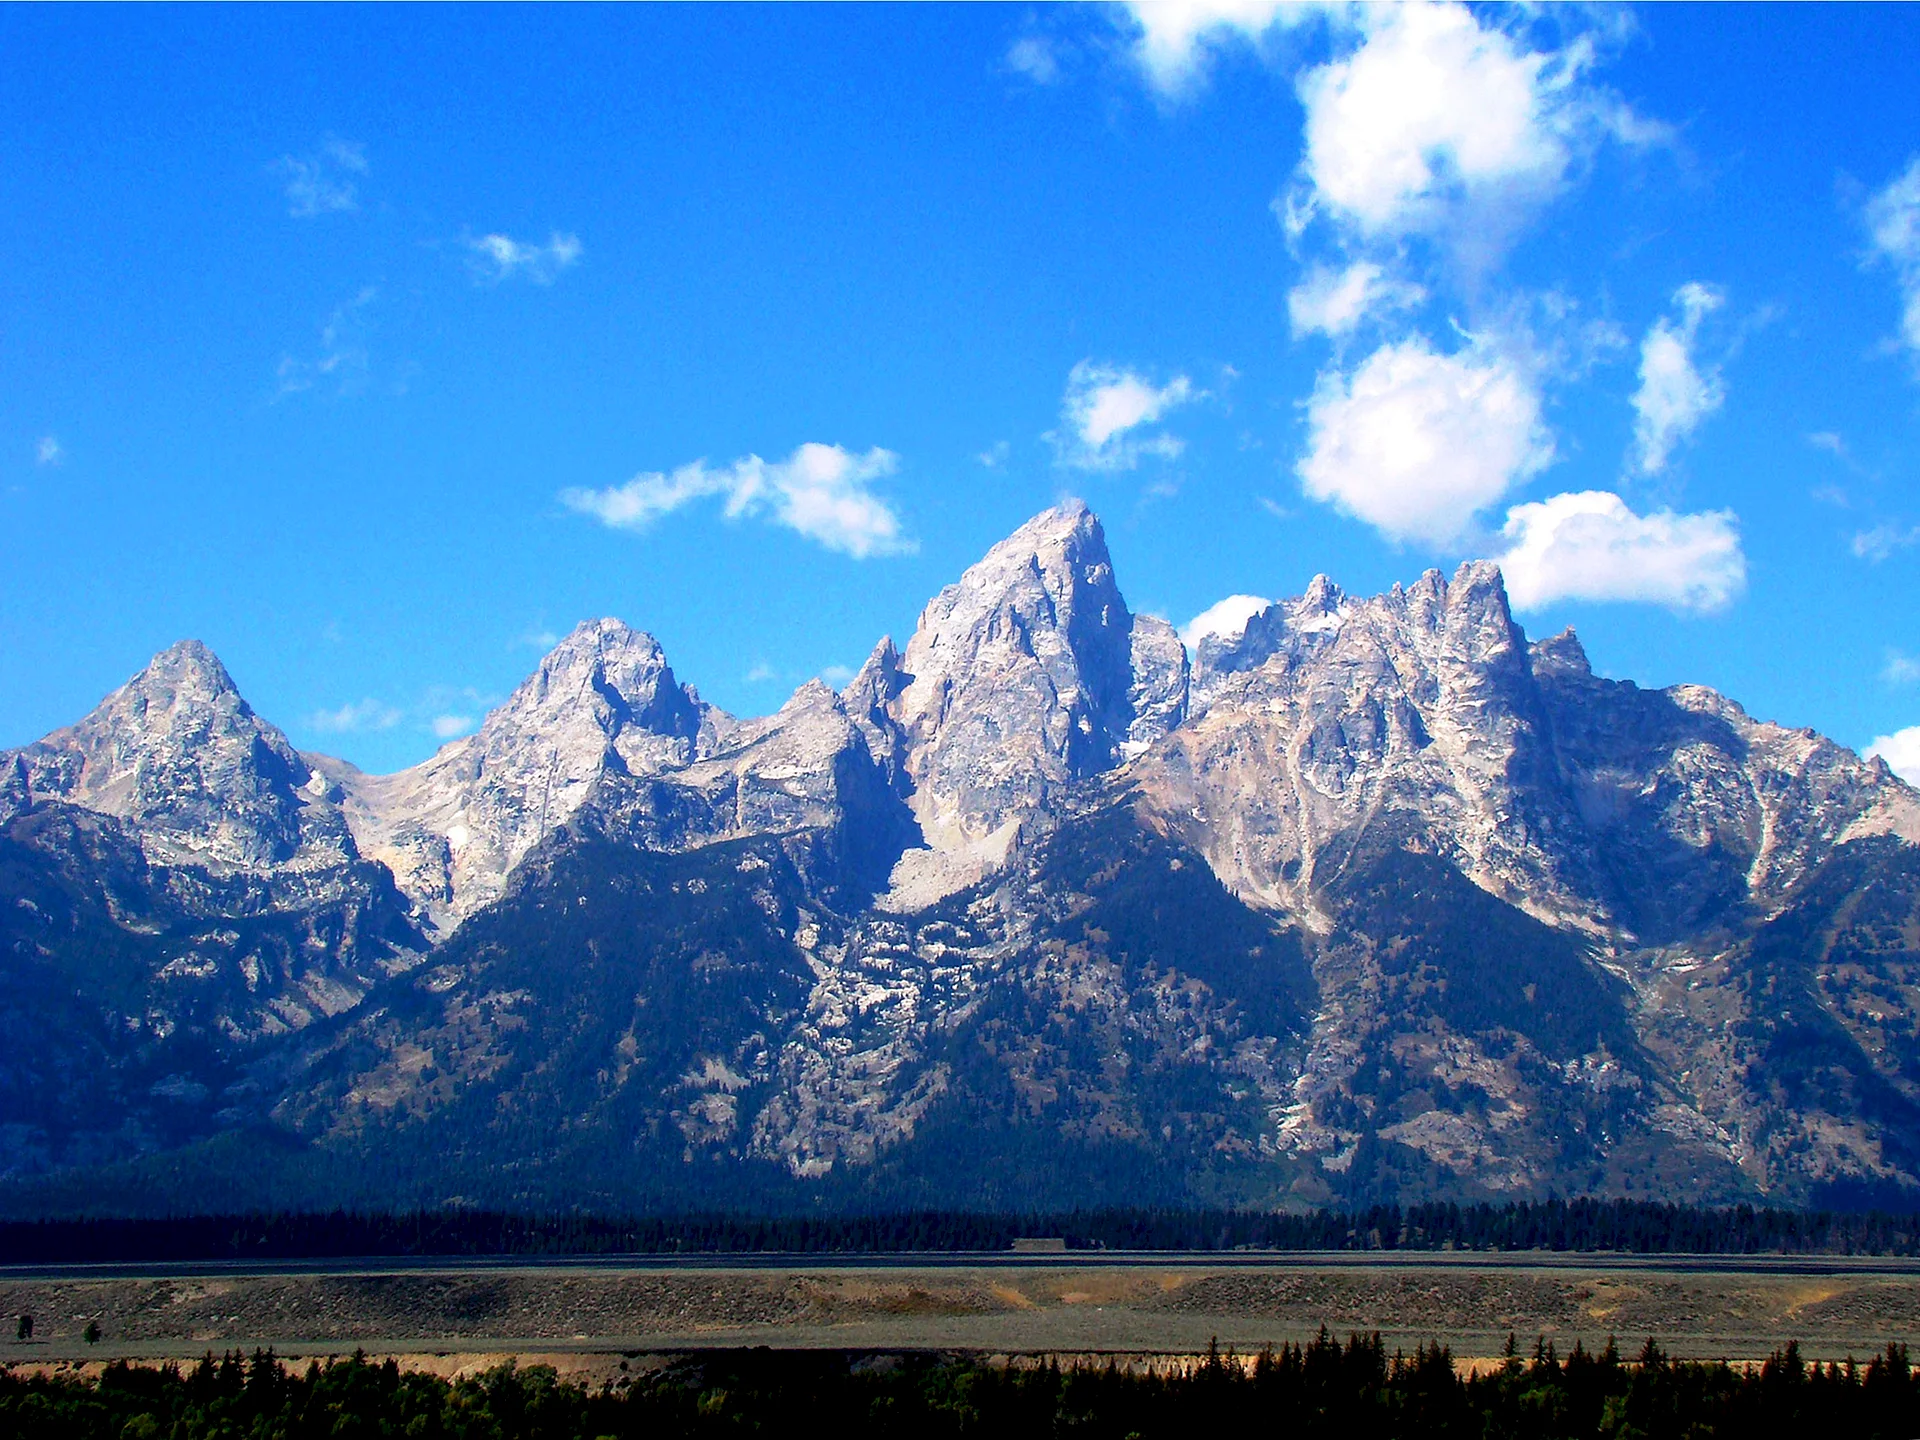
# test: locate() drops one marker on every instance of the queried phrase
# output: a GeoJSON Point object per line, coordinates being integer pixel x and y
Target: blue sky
{"type": "Point", "coordinates": [376, 347]}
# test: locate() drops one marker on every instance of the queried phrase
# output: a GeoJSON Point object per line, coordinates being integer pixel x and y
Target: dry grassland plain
{"type": "Point", "coordinates": [586, 1320]}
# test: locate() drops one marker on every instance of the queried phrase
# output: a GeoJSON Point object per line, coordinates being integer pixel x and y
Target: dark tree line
{"type": "Point", "coordinates": [1633, 1226]}
{"type": "Point", "coordinates": [1353, 1391]}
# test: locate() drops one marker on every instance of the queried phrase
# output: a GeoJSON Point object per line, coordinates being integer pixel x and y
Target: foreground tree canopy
{"type": "Point", "coordinates": [1353, 1391]}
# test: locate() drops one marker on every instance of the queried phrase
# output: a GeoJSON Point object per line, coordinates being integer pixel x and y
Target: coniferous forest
{"type": "Point", "coordinates": [1353, 1391]}
{"type": "Point", "coordinates": [1628, 1226]}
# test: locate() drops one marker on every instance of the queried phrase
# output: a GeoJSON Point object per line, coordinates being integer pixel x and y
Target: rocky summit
{"type": "Point", "coordinates": [1371, 898]}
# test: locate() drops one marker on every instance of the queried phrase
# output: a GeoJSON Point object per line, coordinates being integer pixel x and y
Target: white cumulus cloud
{"type": "Point", "coordinates": [1224, 618]}
{"type": "Point", "coordinates": [1433, 104]}
{"type": "Point", "coordinates": [1172, 38]}
{"type": "Point", "coordinates": [1675, 394]}
{"type": "Point", "coordinates": [1104, 405]}
{"type": "Point", "coordinates": [321, 183]}
{"type": "Point", "coordinates": [494, 258]}
{"type": "Point", "coordinates": [1333, 302]}
{"type": "Point", "coordinates": [448, 727]}
{"type": "Point", "coordinates": [1415, 443]}
{"type": "Point", "coordinates": [1590, 545]}
{"type": "Point", "coordinates": [1901, 751]}
{"type": "Point", "coordinates": [822, 491]}
{"type": "Point", "coordinates": [1893, 223]}
{"type": "Point", "coordinates": [1442, 123]}
{"type": "Point", "coordinates": [357, 715]}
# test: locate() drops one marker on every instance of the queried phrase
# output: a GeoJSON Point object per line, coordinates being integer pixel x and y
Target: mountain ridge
{"type": "Point", "coordinates": [1371, 897]}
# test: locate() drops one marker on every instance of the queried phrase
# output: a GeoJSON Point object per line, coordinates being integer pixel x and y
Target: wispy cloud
{"type": "Point", "coordinates": [823, 492]}
{"type": "Point", "coordinates": [321, 183]}
{"type": "Point", "coordinates": [1591, 546]}
{"type": "Point", "coordinates": [1333, 302]}
{"type": "Point", "coordinates": [356, 717]}
{"type": "Point", "coordinates": [1034, 57]}
{"type": "Point", "coordinates": [449, 727]}
{"type": "Point", "coordinates": [1675, 393]}
{"type": "Point", "coordinates": [838, 676]}
{"type": "Point", "coordinates": [48, 451]}
{"type": "Point", "coordinates": [1900, 669]}
{"type": "Point", "coordinates": [494, 258]}
{"type": "Point", "coordinates": [342, 358]}
{"type": "Point", "coordinates": [1893, 226]}
{"type": "Point", "coordinates": [759, 674]}
{"type": "Point", "coordinates": [995, 455]}
{"type": "Point", "coordinates": [1880, 542]}
{"type": "Point", "coordinates": [1104, 409]}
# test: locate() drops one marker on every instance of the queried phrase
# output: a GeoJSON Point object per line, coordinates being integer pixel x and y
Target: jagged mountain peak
{"type": "Point", "coordinates": [869, 702]}
{"type": "Point", "coordinates": [1051, 544]}
{"type": "Point", "coordinates": [603, 700]}
{"type": "Point", "coordinates": [1561, 654]}
{"type": "Point", "coordinates": [1322, 595]}
{"type": "Point", "coordinates": [1019, 677]}
{"type": "Point", "coordinates": [811, 695]}
{"type": "Point", "coordinates": [604, 678]}
{"type": "Point", "coordinates": [187, 661]}
{"type": "Point", "coordinates": [178, 681]}
{"type": "Point", "coordinates": [178, 751]}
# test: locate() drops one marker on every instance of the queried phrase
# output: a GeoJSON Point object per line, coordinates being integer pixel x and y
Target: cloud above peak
{"type": "Point", "coordinates": [1901, 751]}
{"type": "Point", "coordinates": [1103, 408]}
{"type": "Point", "coordinates": [1416, 443]}
{"type": "Point", "coordinates": [820, 491]}
{"type": "Point", "coordinates": [1589, 545]}
{"type": "Point", "coordinates": [1223, 619]}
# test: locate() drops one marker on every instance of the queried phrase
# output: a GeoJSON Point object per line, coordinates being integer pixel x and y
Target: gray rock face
{"type": "Point", "coordinates": [179, 755]}
{"type": "Point", "coordinates": [1020, 680]}
{"type": "Point", "coordinates": [603, 702]}
{"type": "Point", "coordinates": [1025, 678]}
{"type": "Point", "coordinates": [1329, 716]}
{"type": "Point", "coordinates": [1157, 697]}
{"type": "Point", "coordinates": [603, 733]}
{"type": "Point", "coordinates": [870, 700]}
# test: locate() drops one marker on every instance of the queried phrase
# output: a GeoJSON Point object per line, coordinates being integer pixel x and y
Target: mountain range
{"type": "Point", "coordinates": [1369, 898]}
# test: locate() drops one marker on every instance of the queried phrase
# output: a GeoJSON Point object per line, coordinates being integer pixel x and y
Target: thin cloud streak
{"type": "Point", "coordinates": [823, 492]}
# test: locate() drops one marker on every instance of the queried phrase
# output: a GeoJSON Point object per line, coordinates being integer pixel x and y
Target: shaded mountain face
{"type": "Point", "coordinates": [179, 889]}
{"type": "Point", "coordinates": [1374, 898]}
